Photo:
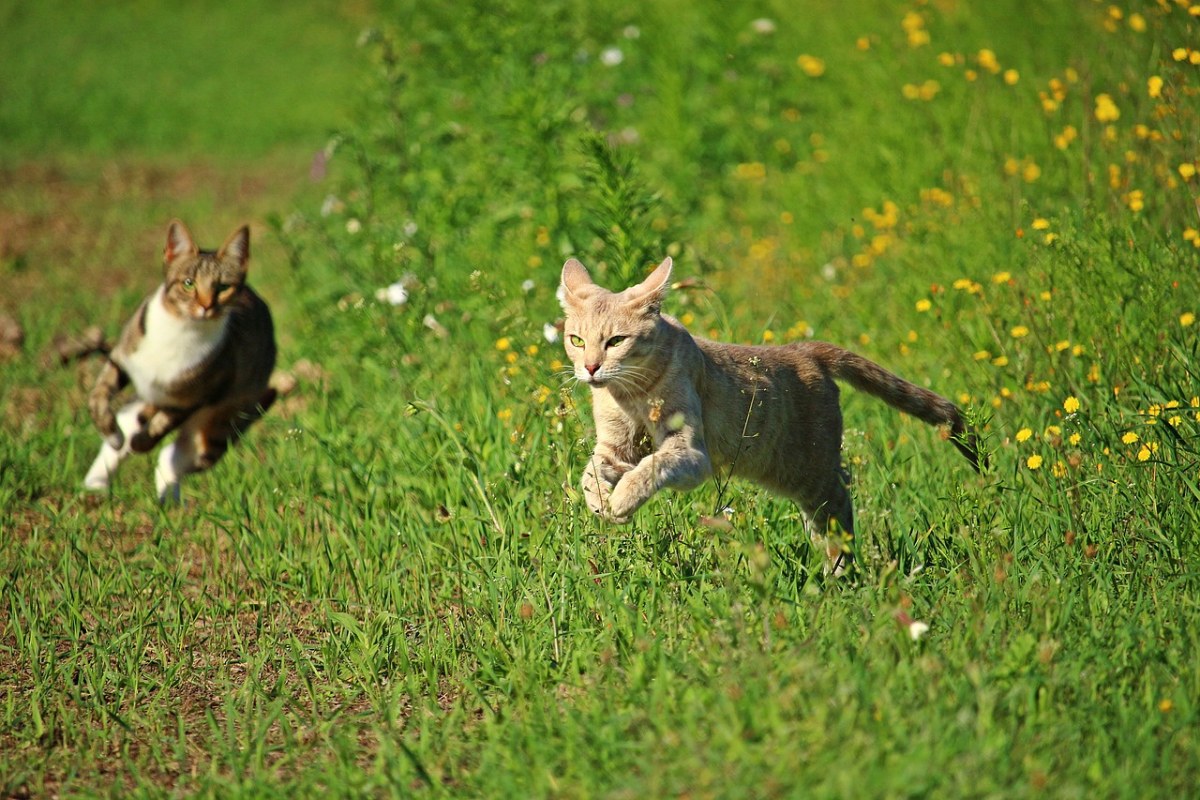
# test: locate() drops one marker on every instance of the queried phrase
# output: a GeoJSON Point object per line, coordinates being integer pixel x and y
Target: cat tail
{"type": "Point", "coordinates": [867, 376]}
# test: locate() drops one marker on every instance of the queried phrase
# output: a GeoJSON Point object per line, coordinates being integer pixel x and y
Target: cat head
{"type": "Point", "coordinates": [612, 337]}
{"type": "Point", "coordinates": [201, 284]}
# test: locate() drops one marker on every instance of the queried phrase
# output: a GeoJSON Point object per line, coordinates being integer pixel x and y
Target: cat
{"type": "Point", "coordinates": [199, 352]}
{"type": "Point", "coordinates": [670, 409]}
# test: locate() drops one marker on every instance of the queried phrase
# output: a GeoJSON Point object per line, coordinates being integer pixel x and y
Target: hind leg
{"type": "Point", "coordinates": [831, 523]}
{"type": "Point", "coordinates": [128, 420]}
{"type": "Point", "coordinates": [203, 440]}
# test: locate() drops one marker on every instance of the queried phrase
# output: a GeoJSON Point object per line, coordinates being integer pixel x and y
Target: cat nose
{"type": "Point", "coordinates": [591, 368]}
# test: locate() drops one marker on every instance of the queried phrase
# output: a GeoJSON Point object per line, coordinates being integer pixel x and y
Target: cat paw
{"type": "Point", "coordinates": [116, 439]}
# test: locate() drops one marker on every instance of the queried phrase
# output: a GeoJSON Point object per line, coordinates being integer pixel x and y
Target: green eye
{"type": "Point", "coordinates": [575, 340]}
{"type": "Point", "coordinates": [188, 284]}
{"type": "Point", "coordinates": [616, 340]}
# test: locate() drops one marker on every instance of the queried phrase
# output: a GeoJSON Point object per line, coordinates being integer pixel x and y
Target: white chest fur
{"type": "Point", "coordinates": [170, 347]}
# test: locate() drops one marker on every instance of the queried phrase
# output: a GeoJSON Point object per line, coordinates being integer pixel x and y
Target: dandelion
{"type": "Point", "coordinates": [1154, 85]}
{"type": "Point", "coordinates": [1024, 434]}
{"type": "Point", "coordinates": [503, 343]}
{"type": "Point", "coordinates": [1187, 170]}
{"type": "Point", "coordinates": [811, 66]}
{"type": "Point", "coordinates": [1129, 437]}
{"type": "Point", "coordinates": [923, 305]}
{"type": "Point", "coordinates": [1011, 76]}
{"type": "Point", "coordinates": [1106, 109]}
{"type": "Point", "coordinates": [988, 61]}
{"type": "Point", "coordinates": [1071, 404]}
{"type": "Point", "coordinates": [1034, 461]}
{"type": "Point", "coordinates": [1019, 331]}
{"type": "Point", "coordinates": [1143, 454]}
{"type": "Point", "coordinates": [1002, 277]}
{"type": "Point", "coordinates": [1074, 439]}
{"type": "Point", "coordinates": [1059, 470]}
{"type": "Point", "coordinates": [863, 43]}
{"type": "Point", "coordinates": [1187, 318]}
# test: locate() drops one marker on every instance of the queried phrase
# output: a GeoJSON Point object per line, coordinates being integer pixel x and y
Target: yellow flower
{"type": "Point", "coordinates": [811, 66]}
{"type": "Point", "coordinates": [1143, 454]}
{"type": "Point", "coordinates": [1000, 361]}
{"type": "Point", "coordinates": [1154, 85]}
{"type": "Point", "coordinates": [503, 343]}
{"type": "Point", "coordinates": [1071, 404]}
{"type": "Point", "coordinates": [982, 355]}
{"type": "Point", "coordinates": [1060, 470]}
{"type": "Point", "coordinates": [1034, 461]}
{"type": "Point", "coordinates": [1019, 331]}
{"type": "Point", "coordinates": [923, 305]}
{"type": "Point", "coordinates": [1137, 23]}
{"type": "Point", "coordinates": [1040, 224]}
{"type": "Point", "coordinates": [987, 60]}
{"type": "Point", "coordinates": [1002, 277]}
{"type": "Point", "coordinates": [1187, 170]}
{"type": "Point", "coordinates": [1106, 109]}
{"type": "Point", "coordinates": [1024, 434]}
{"type": "Point", "coordinates": [1187, 318]}
{"type": "Point", "coordinates": [1129, 438]}
{"type": "Point", "coordinates": [1011, 76]}
{"type": "Point", "coordinates": [1075, 438]}
{"type": "Point", "coordinates": [1179, 54]}
{"type": "Point", "coordinates": [768, 335]}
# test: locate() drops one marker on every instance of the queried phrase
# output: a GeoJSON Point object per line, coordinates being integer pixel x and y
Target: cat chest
{"type": "Point", "coordinates": [170, 351]}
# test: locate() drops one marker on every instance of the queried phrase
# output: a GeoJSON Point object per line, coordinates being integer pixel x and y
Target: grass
{"type": "Point", "coordinates": [393, 587]}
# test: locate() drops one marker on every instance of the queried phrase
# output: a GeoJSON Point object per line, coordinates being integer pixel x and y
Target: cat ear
{"type": "Point", "coordinates": [179, 242]}
{"type": "Point", "coordinates": [651, 291]}
{"type": "Point", "coordinates": [237, 246]}
{"type": "Point", "coordinates": [574, 278]}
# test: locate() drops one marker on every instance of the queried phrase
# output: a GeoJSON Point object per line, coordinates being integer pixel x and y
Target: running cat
{"type": "Point", "coordinates": [199, 352]}
{"type": "Point", "coordinates": [671, 408]}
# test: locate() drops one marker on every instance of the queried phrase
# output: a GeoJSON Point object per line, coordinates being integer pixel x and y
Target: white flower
{"type": "Point", "coordinates": [763, 25]}
{"type": "Point", "coordinates": [550, 333]}
{"type": "Point", "coordinates": [527, 286]}
{"type": "Point", "coordinates": [330, 205]}
{"type": "Point", "coordinates": [611, 56]}
{"type": "Point", "coordinates": [917, 629]}
{"type": "Point", "coordinates": [395, 294]}
{"type": "Point", "coordinates": [353, 225]}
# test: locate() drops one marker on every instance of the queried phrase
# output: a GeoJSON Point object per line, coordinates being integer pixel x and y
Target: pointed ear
{"type": "Point", "coordinates": [179, 242]}
{"type": "Point", "coordinates": [651, 291]}
{"type": "Point", "coordinates": [574, 278]}
{"type": "Point", "coordinates": [237, 246]}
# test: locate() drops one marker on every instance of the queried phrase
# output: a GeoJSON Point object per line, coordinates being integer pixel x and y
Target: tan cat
{"type": "Point", "coordinates": [670, 408]}
{"type": "Point", "coordinates": [199, 353]}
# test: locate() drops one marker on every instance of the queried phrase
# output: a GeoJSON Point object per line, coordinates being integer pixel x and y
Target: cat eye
{"type": "Point", "coordinates": [615, 340]}
{"type": "Point", "coordinates": [188, 284]}
{"type": "Point", "coordinates": [575, 340]}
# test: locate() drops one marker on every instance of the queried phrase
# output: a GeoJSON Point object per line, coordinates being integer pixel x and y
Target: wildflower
{"type": "Point", "coordinates": [863, 43]}
{"type": "Point", "coordinates": [1187, 170]}
{"type": "Point", "coordinates": [1106, 109]}
{"type": "Point", "coordinates": [1143, 454]}
{"type": "Point", "coordinates": [611, 56]}
{"type": "Point", "coordinates": [1011, 76]}
{"type": "Point", "coordinates": [811, 66]}
{"type": "Point", "coordinates": [923, 305]}
{"type": "Point", "coordinates": [1136, 200]}
{"type": "Point", "coordinates": [1071, 404]}
{"type": "Point", "coordinates": [1000, 361]}
{"type": "Point", "coordinates": [394, 294]}
{"type": "Point", "coordinates": [1019, 331]}
{"type": "Point", "coordinates": [1129, 437]}
{"type": "Point", "coordinates": [1074, 439]}
{"type": "Point", "coordinates": [550, 332]}
{"type": "Point", "coordinates": [1040, 224]}
{"type": "Point", "coordinates": [1154, 85]}
{"type": "Point", "coordinates": [1059, 470]}
{"type": "Point", "coordinates": [763, 26]}
{"type": "Point", "coordinates": [982, 355]}
{"type": "Point", "coordinates": [1187, 318]}
{"type": "Point", "coordinates": [1002, 277]}
{"type": "Point", "coordinates": [917, 629]}
{"type": "Point", "coordinates": [1137, 23]}
{"type": "Point", "coordinates": [1034, 461]}
{"type": "Point", "coordinates": [1024, 434]}
{"type": "Point", "coordinates": [503, 343]}
{"type": "Point", "coordinates": [353, 225]}
{"type": "Point", "coordinates": [987, 60]}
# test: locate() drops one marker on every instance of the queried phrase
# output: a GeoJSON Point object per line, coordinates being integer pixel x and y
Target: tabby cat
{"type": "Point", "coordinates": [199, 352]}
{"type": "Point", "coordinates": [670, 408]}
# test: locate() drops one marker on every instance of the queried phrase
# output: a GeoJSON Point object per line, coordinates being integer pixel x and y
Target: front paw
{"type": "Point", "coordinates": [116, 439]}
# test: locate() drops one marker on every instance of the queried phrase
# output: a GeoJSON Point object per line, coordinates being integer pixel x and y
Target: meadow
{"type": "Point", "coordinates": [393, 588]}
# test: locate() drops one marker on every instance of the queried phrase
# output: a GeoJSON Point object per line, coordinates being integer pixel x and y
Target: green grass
{"type": "Point", "coordinates": [393, 587]}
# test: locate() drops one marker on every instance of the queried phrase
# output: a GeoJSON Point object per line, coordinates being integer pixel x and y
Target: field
{"type": "Point", "coordinates": [393, 588]}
